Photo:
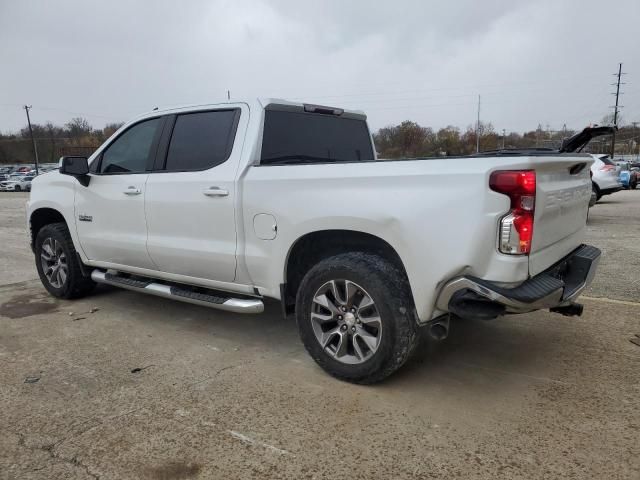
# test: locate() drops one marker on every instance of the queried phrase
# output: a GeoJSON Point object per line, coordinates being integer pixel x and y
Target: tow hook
{"type": "Point", "coordinates": [571, 310]}
{"type": "Point", "coordinates": [438, 328]}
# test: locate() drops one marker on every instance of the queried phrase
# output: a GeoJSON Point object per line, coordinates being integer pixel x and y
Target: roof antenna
{"type": "Point", "coordinates": [155, 109]}
{"type": "Point", "coordinates": [228, 95]}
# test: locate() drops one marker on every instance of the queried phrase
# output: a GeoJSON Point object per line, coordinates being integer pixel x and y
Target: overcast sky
{"type": "Point", "coordinates": [536, 61]}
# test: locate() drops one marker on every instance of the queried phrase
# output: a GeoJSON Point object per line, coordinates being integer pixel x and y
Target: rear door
{"type": "Point", "coordinates": [563, 190]}
{"type": "Point", "coordinates": [191, 195]}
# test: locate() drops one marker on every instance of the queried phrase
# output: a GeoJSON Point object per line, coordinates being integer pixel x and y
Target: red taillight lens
{"type": "Point", "coordinates": [521, 182]}
{"type": "Point", "coordinates": [516, 229]}
{"type": "Point", "coordinates": [607, 168]}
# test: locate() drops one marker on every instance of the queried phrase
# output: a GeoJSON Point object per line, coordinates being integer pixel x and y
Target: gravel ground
{"type": "Point", "coordinates": [144, 387]}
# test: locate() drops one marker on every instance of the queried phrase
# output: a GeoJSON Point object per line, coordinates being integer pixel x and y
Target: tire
{"type": "Point", "coordinates": [386, 286]}
{"type": "Point", "coordinates": [18, 189]}
{"type": "Point", "coordinates": [633, 185]}
{"type": "Point", "coordinates": [55, 237]}
{"type": "Point", "coordinates": [597, 191]}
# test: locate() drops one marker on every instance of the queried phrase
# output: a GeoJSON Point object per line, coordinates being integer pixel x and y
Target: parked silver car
{"type": "Point", "coordinates": [20, 183]}
{"type": "Point", "coordinates": [605, 179]}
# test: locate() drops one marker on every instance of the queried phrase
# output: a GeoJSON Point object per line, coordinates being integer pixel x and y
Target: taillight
{"type": "Point", "coordinates": [516, 227]}
{"type": "Point", "coordinates": [607, 168]}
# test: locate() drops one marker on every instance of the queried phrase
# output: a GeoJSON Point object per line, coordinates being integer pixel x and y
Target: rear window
{"type": "Point", "coordinates": [201, 140]}
{"type": "Point", "coordinates": [300, 137]}
{"type": "Point", "coordinates": [606, 161]}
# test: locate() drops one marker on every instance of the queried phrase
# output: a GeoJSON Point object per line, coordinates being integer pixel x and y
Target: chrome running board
{"type": "Point", "coordinates": [183, 294]}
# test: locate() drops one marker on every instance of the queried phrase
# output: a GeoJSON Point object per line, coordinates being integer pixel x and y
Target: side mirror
{"type": "Point", "coordinates": [76, 167]}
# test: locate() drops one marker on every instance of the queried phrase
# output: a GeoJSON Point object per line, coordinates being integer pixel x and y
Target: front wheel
{"type": "Point", "coordinates": [58, 264]}
{"type": "Point", "coordinates": [18, 189]}
{"type": "Point", "coordinates": [356, 317]}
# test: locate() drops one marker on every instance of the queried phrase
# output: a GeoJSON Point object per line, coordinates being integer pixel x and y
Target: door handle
{"type": "Point", "coordinates": [131, 190]}
{"type": "Point", "coordinates": [215, 192]}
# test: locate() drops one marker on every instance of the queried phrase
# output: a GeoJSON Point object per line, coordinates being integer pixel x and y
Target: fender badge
{"type": "Point", "coordinates": [85, 218]}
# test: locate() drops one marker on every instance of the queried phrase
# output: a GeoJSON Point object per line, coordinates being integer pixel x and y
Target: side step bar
{"type": "Point", "coordinates": [239, 305]}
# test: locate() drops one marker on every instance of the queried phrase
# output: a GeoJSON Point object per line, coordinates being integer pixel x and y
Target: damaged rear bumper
{"type": "Point", "coordinates": [558, 286]}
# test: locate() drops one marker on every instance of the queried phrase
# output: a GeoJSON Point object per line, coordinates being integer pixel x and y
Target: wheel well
{"type": "Point", "coordinates": [314, 247]}
{"type": "Point", "coordinates": [42, 217]}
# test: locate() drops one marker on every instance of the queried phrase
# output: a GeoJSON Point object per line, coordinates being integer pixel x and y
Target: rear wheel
{"type": "Point", "coordinates": [356, 317]}
{"type": "Point", "coordinates": [58, 264]}
{"type": "Point", "coordinates": [18, 189]}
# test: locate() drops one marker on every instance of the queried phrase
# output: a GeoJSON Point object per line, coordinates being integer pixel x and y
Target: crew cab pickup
{"type": "Point", "coordinates": [223, 205]}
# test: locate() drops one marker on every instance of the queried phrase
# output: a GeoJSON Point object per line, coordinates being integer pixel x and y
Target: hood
{"type": "Point", "coordinates": [577, 142]}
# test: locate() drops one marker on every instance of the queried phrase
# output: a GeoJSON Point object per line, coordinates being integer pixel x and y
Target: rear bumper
{"type": "Point", "coordinates": [559, 285]}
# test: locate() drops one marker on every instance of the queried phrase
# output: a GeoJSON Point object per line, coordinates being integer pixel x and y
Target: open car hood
{"type": "Point", "coordinates": [577, 142]}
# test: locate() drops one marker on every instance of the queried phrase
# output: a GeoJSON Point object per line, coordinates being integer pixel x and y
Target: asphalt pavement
{"type": "Point", "coordinates": [123, 385]}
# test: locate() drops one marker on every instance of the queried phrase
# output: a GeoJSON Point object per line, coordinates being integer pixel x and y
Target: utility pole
{"type": "Point", "coordinates": [478, 128]}
{"type": "Point", "coordinates": [616, 108]}
{"type": "Point", "coordinates": [33, 140]}
{"type": "Point", "coordinates": [504, 135]}
{"type": "Point", "coordinates": [635, 138]}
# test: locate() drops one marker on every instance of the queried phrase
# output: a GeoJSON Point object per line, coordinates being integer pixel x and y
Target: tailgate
{"type": "Point", "coordinates": [562, 202]}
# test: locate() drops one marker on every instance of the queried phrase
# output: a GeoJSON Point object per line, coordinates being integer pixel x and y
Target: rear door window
{"type": "Point", "coordinates": [201, 140]}
{"type": "Point", "coordinates": [302, 137]}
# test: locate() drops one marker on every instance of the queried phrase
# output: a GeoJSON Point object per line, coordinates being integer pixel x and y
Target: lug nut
{"type": "Point", "coordinates": [344, 309]}
{"type": "Point", "coordinates": [343, 328]}
{"type": "Point", "coordinates": [339, 317]}
{"type": "Point", "coordinates": [353, 329]}
{"type": "Point", "coordinates": [353, 310]}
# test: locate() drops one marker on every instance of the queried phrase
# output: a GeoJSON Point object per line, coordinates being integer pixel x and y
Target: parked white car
{"type": "Point", "coordinates": [225, 205]}
{"type": "Point", "coordinates": [605, 176]}
{"type": "Point", "coordinates": [17, 183]}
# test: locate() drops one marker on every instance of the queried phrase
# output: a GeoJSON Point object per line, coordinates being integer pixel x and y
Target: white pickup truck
{"type": "Point", "coordinates": [223, 205]}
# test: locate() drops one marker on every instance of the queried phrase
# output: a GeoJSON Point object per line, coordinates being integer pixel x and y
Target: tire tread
{"type": "Point", "coordinates": [77, 284]}
{"type": "Point", "coordinates": [397, 296]}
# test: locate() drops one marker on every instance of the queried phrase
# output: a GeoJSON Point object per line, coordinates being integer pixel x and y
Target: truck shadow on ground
{"type": "Point", "coordinates": [497, 347]}
{"type": "Point", "coordinates": [501, 347]}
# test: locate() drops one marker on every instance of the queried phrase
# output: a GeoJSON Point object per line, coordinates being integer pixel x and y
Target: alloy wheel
{"type": "Point", "coordinates": [54, 262]}
{"type": "Point", "coordinates": [346, 321]}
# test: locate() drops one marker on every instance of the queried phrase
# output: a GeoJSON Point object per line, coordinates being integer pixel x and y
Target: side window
{"type": "Point", "coordinates": [294, 137]}
{"type": "Point", "coordinates": [130, 151]}
{"type": "Point", "coordinates": [201, 140]}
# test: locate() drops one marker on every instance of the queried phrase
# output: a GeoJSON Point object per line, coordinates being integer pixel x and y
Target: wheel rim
{"type": "Point", "coordinates": [54, 262]}
{"type": "Point", "coordinates": [346, 321]}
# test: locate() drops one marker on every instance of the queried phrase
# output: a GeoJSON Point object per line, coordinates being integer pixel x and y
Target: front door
{"type": "Point", "coordinates": [190, 198]}
{"type": "Point", "coordinates": [110, 216]}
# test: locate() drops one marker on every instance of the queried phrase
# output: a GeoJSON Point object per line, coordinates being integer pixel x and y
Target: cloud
{"type": "Point", "coordinates": [533, 62]}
